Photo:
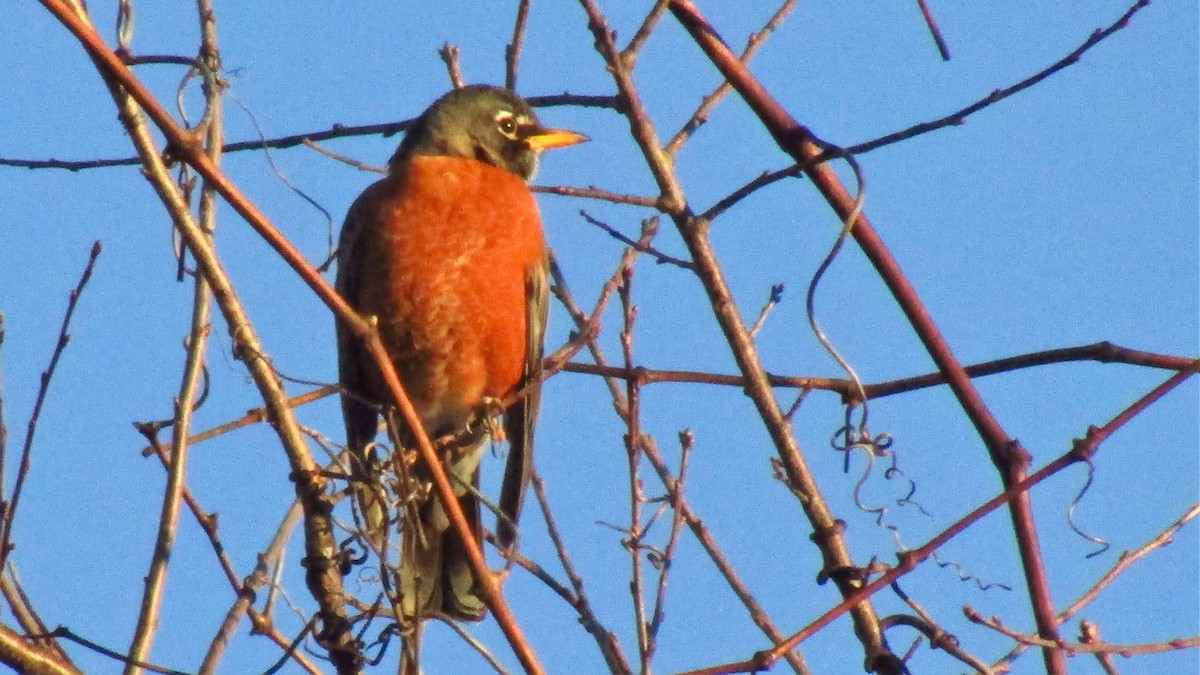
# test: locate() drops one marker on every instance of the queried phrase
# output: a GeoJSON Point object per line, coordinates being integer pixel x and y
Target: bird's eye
{"type": "Point", "coordinates": [507, 124]}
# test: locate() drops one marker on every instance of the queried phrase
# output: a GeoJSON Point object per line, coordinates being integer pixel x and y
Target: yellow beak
{"type": "Point", "coordinates": [545, 139]}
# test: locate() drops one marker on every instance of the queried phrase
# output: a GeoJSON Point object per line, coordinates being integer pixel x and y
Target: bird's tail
{"type": "Point", "coordinates": [435, 576]}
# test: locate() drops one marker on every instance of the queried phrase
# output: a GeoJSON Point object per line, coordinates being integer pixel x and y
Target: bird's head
{"type": "Point", "coordinates": [485, 123]}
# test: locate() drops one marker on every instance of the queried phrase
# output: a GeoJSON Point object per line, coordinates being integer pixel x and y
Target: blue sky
{"type": "Point", "coordinates": [1063, 216]}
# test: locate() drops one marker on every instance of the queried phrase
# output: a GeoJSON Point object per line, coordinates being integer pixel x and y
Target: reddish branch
{"type": "Point", "coordinates": [1124, 562]}
{"type": "Point", "coordinates": [694, 231]}
{"type": "Point", "coordinates": [1010, 459]}
{"type": "Point", "coordinates": [909, 560]}
{"type": "Point", "coordinates": [1094, 646]}
{"type": "Point", "coordinates": [1103, 352]}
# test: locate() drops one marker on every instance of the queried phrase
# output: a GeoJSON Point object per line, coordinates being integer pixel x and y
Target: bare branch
{"type": "Point", "coordinates": [606, 640]}
{"type": "Point", "coordinates": [960, 116]}
{"type": "Point", "coordinates": [1095, 647]}
{"type": "Point", "coordinates": [64, 337]}
{"type": "Point", "coordinates": [651, 226]}
{"type": "Point", "coordinates": [449, 54]}
{"type": "Point", "coordinates": [512, 52]}
{"type": "Point", "coordinates": [385, 129]}
{"type": "Point", "coordinates": [1010, 459]}
{"type": "Point", "coordinates": [22, 655]}
{"type": "Point", "coordinates": [753, 44]}
{"type": "Point", "coordinates": [927, 14]}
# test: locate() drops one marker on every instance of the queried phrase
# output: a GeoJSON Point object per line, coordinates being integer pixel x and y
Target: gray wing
{"type": "Point", "coordinates": [521, 418]}
{"type": "Point", "coordinates": [360, 416]}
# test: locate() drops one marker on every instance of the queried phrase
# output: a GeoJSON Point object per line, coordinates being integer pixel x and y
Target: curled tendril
{"type": "Point", "coordinates": [907, 499]}
{"type": "Point", "coordinates": [850, 438]}
{"type": "Point", "coordinates": [964, 576]}
{"type": "Point", "coordinates": [382, 641]}
{"type": "Point", "coordinates": [810, 295]}
{"type": "Point", "coordinates": [1102, 543]}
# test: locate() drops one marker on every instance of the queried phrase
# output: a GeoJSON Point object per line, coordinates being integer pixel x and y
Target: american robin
{"type": "Point", "coordinates": [448, 253]}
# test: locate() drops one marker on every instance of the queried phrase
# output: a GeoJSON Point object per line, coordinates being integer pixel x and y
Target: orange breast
{"type": "Point", "coordinates": [448, 244]}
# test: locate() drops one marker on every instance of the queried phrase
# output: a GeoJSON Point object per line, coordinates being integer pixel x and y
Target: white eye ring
{"type": "Point", "coordinates": [506, 122]}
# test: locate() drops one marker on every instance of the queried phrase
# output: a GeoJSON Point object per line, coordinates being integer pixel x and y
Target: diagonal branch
{"type": "Point", "coordinates": [197, 345]}
{"type": "Point", "coordinates": [1011, 460]}
{"type": "Point", "coordinates": [64, 338]}
{"type": "Point", "coordinates": [909, 559]}
{"type": "Point", "coordinates": [324, 577]}
{"type": "Point", "coordinates": [694, 231]}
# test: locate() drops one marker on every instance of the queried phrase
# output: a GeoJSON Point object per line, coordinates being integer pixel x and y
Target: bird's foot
{"type": "Point", "coordinates": [489, 418]}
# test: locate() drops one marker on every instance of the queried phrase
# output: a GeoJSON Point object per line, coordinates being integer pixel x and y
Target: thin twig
{"type": "Point", "coordinates": [344, 159]}
{"type": "Point", "coordinates": [64, 337]}
{"type": "Point", "coordinates": [1096, 647]}
{"type": "Point", "coordinates": [753, 44]}
{"type": "Point", "coordinates": [254, 416]}
{"type": "Point", "coordinates": [588, 326]}
{"type": "Point", "coordinates": [633, 454]}
{"type": "Point", "coordinates": [665, 564]}
{"type": "Point", "coordinates": [630, 53]}
{"type": "Point", "coordinates": [512, 51]}
{"type": "Point", "coordinates": [606, 640]}
{"type": "Point", "coordinates": [1089, 634]}
{"type": "Point", "coordinates": [927, 14]}
{"type": "Point", "coordinates": [385, 129]}
{"type": "Point", "coordinates": [597, 193]}
{"type": "Point", "coordinates": [197, 343]}
{"type": "Point", "coordinates": [1124, 562]}
{"type": "Point", "coordinates": [244, 590]}
{"type": "Point", "coordinates": [158, 59]}
{"type": "Point", "coordinates": [478, 646]}
{"type": "Point", "coordinates": [938, 637]}
{"type": "Point", "coordinates": [642, 246]}
{"type": "Point", "coordinates": [1103, 352]}
{"type": "Point", "coordinates": [773, 299]}
{"type": "Point", "coordinates": [67, 634]}
{"type": "Point", "coordinates": [763, 180]}
{"type": "Point", "coordinates": [449, 54]}
{"type": "Point", "coordinates": [709, 543]}
{"type": "Point", "coordinates": [960, 116]}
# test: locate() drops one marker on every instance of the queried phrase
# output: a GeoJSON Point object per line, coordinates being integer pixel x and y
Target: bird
{"type": "Point", "coordinates": [447, 253]}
